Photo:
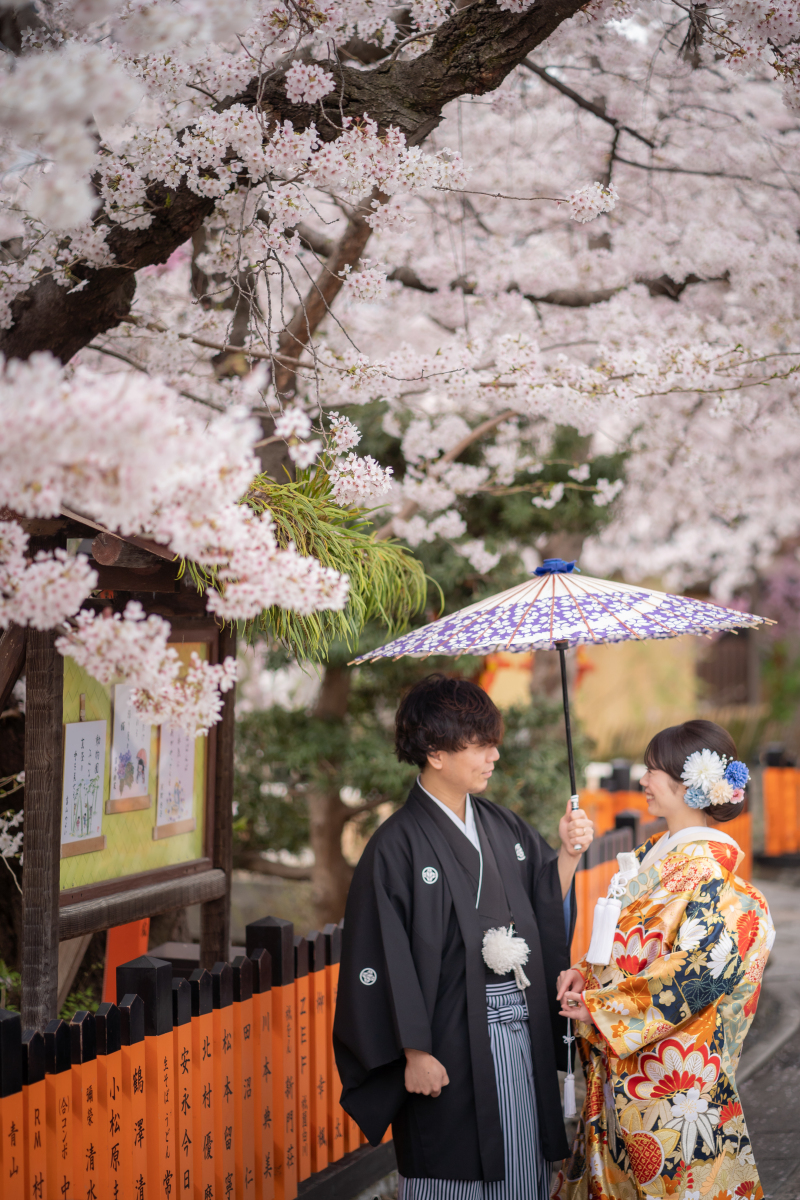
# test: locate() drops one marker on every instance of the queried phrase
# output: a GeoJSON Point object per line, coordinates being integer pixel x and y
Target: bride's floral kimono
{"type": "Point", "coordinates": [662, 1115]}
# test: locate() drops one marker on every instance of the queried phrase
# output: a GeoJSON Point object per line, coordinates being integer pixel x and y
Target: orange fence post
{"type": "Point", "coordinates": [133, 1110]}
{"type": "Point", "coordinates": [33, 1115]}
{"type": "Point", "coordinates": [599, 808]}
{"type": "Point", "coordinates": [302, 1057]}
{"type": "Point", "coordinates": [151, 978]}
{"type": "Point", "coordinates": [109, 1099]}
{"type": "Point", "coordinates": [244, 1067]}
{"type": "Point", "coordinates": [58, 1080]}
{"type": "Point", "coordinates": [773, 833]}
{"type": "Point", "coordinates": [202, 1083]}
{"type": "Point", "coordinates": [12, 1170]}
{"type": "Point", "coordinates": [789, 808]}
{"type": "Point", "coordinates": [319, 1051]}
{"type": "Point", "coordinates": [276, 937]}
{"type": "Point", "coordinates": [333, 954]}
{"type": "Point", "coordinates": [222, 1061]}
{"type": "Point", "coordinates": [91, 1181]}
{"type": "Point", "coordinates": [262, 1074]}
{"type": "Point", "coordinates": [580, 940]}
{"type": "Point", "coordinates": [123, 944]}
{"type": "Point", "coordinates": [182, 1070]}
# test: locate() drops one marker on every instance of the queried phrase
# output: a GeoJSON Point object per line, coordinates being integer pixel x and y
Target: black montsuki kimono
{"type": "Point", "coordinates": [412, 975]}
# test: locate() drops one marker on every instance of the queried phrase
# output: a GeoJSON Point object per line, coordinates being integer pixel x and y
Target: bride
{"type": "Point", "coordinates": [667, 991]}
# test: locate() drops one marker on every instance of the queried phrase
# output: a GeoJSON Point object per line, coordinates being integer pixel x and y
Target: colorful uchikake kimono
{"type": "Point", "coordinates": [662, 1115]}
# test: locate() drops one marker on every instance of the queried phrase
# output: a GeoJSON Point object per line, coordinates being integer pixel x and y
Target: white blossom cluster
{"type": "Point", "coordinates": [588, 202]}
{"type": "Point", "coordinates": [43, 591]}
{"type": "Point", "coordinates": [368, 283]}
{"type": "Point", "coordinates": [355, 480]}
{"type": "Point", "coordinates": [134, 647]}
{"type": "Point", "coordinates": [305, 84]}
{"type": "Point", "coordinates": [125, 451]}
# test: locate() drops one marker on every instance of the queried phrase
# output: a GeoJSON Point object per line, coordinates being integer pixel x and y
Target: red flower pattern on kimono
{"type": "Point", "coordinates": [673, 1068]}
{"type": "Point", "coordinates": [635, 950]}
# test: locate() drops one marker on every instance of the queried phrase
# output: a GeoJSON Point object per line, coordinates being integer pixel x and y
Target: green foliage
{"type": "Point", "coordinates": [83, 998]}
{"type": "Point", "coordinates": [387, 583]}
{"type": "Point", "coordinates": [781, 681]}
{"type": "Point", "coordinates": [10, 988]}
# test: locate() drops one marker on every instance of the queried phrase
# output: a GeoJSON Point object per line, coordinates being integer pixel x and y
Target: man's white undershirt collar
{"type": "Point", "coordinates": [467, 827]}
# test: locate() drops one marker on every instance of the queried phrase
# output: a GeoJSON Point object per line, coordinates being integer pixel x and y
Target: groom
{"type": "Point", "coordinates": [459, 1060]}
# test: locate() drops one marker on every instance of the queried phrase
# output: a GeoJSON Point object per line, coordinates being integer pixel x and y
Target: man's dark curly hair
{"type": "Point", "coordinates": [444, 714]}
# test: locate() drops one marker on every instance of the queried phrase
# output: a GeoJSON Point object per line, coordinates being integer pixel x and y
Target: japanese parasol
{"type": "Point", "coordinates": [558, 608]}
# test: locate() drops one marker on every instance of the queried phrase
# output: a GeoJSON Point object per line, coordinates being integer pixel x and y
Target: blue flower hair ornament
{"type": "Point", "coordinates": [712, 778]}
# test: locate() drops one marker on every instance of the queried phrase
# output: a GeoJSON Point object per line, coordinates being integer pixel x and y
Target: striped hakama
{"type": "Point", "coordinates": [527, 1173]}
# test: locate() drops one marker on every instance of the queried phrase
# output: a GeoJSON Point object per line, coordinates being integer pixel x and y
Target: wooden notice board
{"type": "Point", "coordinates": [145, 813]}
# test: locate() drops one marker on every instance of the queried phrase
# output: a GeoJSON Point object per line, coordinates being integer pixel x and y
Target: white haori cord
{"type": "Point", "coordinates": [503, 951]}
{"type": "Point", "coordinates": [570, 1109]}
{"type": "Point", "coordinates": [608, 908]}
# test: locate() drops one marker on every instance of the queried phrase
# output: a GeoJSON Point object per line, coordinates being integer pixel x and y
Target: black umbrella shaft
{"type": "Point", "coordinates": [565, 694]}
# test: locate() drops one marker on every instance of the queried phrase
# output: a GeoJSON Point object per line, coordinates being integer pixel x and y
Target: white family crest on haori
{"type": "Point", "coordinates": [520, 853]}
{"type": "Point", "coordinates": [558, 605]}
{"type": "Point", "coordinates": [429, 874]}
{"type": "Point", "coordinates": [368, 976]}
{"type": "Point", "coordinates": [503, 951]}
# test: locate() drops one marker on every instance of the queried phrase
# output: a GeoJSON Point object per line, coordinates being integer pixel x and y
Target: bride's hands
{"type": "Point", "coordinates": [570, 986]}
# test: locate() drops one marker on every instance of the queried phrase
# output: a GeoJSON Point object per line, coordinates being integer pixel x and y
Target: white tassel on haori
{"type": "Point", "coordinates": [607, 910]}
{"type": "Point", "coordinates": [504, 952]}
{"type": "Point", "coordinates": [569, 1080]}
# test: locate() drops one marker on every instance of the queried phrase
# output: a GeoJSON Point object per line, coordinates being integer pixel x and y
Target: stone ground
{"type": "Point", "coordinates": [771, 1095]}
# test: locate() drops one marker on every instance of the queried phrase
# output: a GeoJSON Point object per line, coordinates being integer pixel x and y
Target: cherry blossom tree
{"type": "Point", "coordinates": [227, 228]}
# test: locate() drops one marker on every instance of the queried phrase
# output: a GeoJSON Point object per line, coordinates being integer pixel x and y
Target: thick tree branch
{"type": "Point", "coordinates": [469, 55]}
{"type": "Point", "coordinates": [326, 287]}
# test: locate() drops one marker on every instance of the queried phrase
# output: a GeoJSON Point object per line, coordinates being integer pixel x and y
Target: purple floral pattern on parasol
{"type": "Point", "coordinates": [567, 608]}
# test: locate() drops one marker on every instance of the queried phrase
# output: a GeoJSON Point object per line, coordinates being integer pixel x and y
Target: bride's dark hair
{"type": "Point", "coordinates": [670, 748]}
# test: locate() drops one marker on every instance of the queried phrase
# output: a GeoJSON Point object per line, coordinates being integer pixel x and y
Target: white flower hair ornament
{"type": "Point", "coordinates": [711, 778]}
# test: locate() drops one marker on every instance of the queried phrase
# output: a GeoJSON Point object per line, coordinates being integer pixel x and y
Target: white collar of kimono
{"type": "Point", "coordinates": [467, 827]}
{"type": "Point", "coordinates": [665, 845]}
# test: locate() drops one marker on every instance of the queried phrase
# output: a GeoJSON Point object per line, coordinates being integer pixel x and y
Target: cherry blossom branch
{"type": "Point", "coordinates": [670, 170]}
{"type": "Point", "coordinates": [411, 507]}
{"type": "Point", "coordinates": [131, 362]}
{"type": "Point", "coordinates": [470, 53]}
{"type": "Point", "coordinates": [582, 102]}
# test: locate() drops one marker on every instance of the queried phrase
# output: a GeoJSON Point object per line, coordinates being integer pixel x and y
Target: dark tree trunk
{"type": "Point", "coordinates": [215, 915]}
{"type": "Point", "coordinates": [331, 873]}
{"type": "Point", "coordinates": [470, 54]}
{"type": "Point", "coordinates": [12, 761]}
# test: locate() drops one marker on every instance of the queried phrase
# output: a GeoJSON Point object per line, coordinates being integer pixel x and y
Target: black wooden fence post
{"type": "Point", "coordinates": [42, 833]}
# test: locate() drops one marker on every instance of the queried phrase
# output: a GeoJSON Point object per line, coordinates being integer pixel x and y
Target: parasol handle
{"type": "Point", "coordinates": [574, 799]}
